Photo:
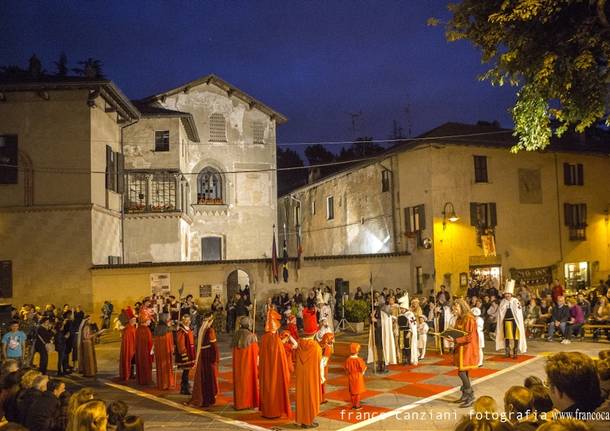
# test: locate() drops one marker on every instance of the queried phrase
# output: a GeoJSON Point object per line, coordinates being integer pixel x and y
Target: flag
{"type": "Point", "coordinates": [274, 270]}
{"type": "Point", "coordinates": [285, 261]}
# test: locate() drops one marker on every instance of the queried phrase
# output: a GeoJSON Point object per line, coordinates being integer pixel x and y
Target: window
{"type": "Point", "coordinates": [163, 192]}
{"type": "Point", "coordinates": [573, 175]}
{"type": "Point", "coordinates": [297, 215]}
{"type": "Point", "coordinates": [575, 216]}
{"type": "Point", "coordinates": [162, 140]}
{"type": "Point", "coordinates": [480, 169]}
{"type": "Point", "coordinates": [385, 180]}
{"type": "Point", "coordinates": [115, 170]}
{"type": "Point", "coordinates": [6, 279]}
{"type": "Point", "coordinates": [209, 187]}
{"type": "Point", "coordinates": [415, 219]}
{"type": "Point", "coordinates": [258, 132]}
{"type": "Point", "coordinates": [483, 215]}
{"type": "Point", "coordinates": [218, 129]}
{"type": "Point", "coordinates": [137, 191]}
{"type": "Point", "coordinates": [419, 279]}
{"type": "Point", "coordinates": [9, 159]}
{"type": "Point", "coordinates": [330, 208]}
{"type": "Point", "coordinates": [211, 248]}
{"type": "Point", "coordinates": [114, 260]}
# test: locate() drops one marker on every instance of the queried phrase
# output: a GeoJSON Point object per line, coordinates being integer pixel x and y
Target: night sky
{"type": "Point", "coordinates": [314, 61]}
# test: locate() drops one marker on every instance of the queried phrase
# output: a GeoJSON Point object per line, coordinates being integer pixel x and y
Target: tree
{"type": "Point", "coordinates": [555, 52]}
{"type": "Point", "coordinates": [35, 67]}
{"type": "Point", "coordinates": [289, 179]}
{"type": "Point", "coordinates": [62, 65]}
{"type": "Point", "coordinates": [91, 69]}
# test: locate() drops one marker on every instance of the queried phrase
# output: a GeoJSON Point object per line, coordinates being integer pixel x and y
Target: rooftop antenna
{"type": "Point", "coordinates": [355, 116]}
{"type": "Point", "coordinates": [408, 115]}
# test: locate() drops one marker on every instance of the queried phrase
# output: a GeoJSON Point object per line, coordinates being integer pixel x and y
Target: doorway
{"type": "Point", "coordinates": [236, 282]}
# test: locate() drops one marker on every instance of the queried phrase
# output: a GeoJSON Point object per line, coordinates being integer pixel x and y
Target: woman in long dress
{"type": "Point", "coordinates": [87, 363]}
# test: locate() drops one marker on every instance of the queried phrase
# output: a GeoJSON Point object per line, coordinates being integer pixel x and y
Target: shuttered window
{"type": "Point", "coordinates": [415, 219]}
{"type": "Point", "coordinates": [6, 279]}
{"type": "Point", "coordinates": [258, 132]}
{"type": "Point", "coordinates": [573, 174]}
{"type": "Point", "coordinates": [575, 218]}
{"type": "Point", "coordinates": [483, 215]}
{"type": "Point", "coordinates": [211, 248]}
{"type": "Point", "coordinates": [9, 159]}
{"type": "Point", "coordinates": [162, 140]}
{"type": "Point", "coordinates": [218, 129]}
{"type": "Point", "coordinates": [110, 169]}
{"type": "Point", "coordinates": [480, 169]}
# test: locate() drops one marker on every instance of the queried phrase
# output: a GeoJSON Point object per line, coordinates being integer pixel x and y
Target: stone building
{"type": "Point", "coordinates": [201, 181]}
{"type": "Point", "coordinates": [60, 186]}
{"type": "Point", "coordinates": [462, 205]}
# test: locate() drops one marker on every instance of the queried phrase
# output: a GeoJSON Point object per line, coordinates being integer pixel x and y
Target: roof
{"type": "Point", "coordinates": [151, 111]}
{"type": "Point", "coordinates": [245, 261]}
{"type": "Point", "coordinates": [481, 134]}
{"type": "Point", "coordinates": [224, 85]}
{"type": "Point", "coordinates": [107, 89]}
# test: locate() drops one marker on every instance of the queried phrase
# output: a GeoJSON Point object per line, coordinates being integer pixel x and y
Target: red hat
{"type": "Point", "coordinates": [328, 338]}
{"type": "Point", "coordinates": [354, 348]}
{"type": "Point", "coordinates": [129, 312]}
{"type": "Point", "coordinates": [310, 324]}
{"type": "Point", "coordinates": [273, 321]}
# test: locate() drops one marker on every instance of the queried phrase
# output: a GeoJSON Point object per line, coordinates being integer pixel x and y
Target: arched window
{"type": "Point", "coordinates": [209, 187]}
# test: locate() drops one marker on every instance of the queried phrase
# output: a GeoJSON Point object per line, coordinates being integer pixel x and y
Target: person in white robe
{"type": "Point", "coordinates": [476, 312]}
{"type": "Point", "coordinates": [326, 313]}
{"type": "Point", "coordinates": [510, 327]}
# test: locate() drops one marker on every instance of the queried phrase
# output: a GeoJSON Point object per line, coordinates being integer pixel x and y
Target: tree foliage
{"type": "Point", "coordinates": [556, 52]}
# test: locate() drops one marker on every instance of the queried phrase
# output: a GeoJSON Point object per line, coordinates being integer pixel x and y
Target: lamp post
{"type": "Point", "coordinates": [449, 214]}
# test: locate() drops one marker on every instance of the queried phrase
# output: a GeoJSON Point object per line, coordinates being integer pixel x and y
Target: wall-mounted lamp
{"type": "Point", "coordinates": [449, 215]}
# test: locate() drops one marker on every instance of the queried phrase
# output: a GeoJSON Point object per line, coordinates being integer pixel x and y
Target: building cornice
{"type": "Point", "coordinates": [59, 208]}
{"type": "Point", "coordinates": [159, 215]}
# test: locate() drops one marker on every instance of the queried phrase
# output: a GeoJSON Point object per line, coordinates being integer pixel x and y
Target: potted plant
{"type": "Point", "coordinates": [356, 313]}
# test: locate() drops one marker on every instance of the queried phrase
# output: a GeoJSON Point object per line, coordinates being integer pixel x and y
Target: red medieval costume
{"type": "Point", "coordinates": [274, 372]}
{"type": "Point", "coordinates": [163, 342]}
{"type": "Point", "coordinates": [185, 355]}
{"type": "Point", "coordinates": [327, 350]}
{"type": "Point", "coordinates": [245, 367]}
{"type": "Point", "coordinates": [205, 385]}
{"type": "Point", "coordinates": [144, 357]}
{"type": "Point", "coordinates": [128, 350]}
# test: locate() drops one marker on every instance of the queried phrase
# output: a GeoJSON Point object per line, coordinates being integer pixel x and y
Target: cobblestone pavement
{"type": "Point", "coordinates": [403, 412]}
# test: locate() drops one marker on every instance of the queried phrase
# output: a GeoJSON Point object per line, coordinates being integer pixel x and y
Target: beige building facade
{"type": "Point", "coordinates": [533, 216]}
{"type": "Point", "coordinates": [201, 175]}
{"type": "Point", "coordinates": [60, 191]}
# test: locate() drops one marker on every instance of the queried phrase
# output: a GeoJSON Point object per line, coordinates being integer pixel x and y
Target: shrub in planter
{"type": "Point", "coordinates": [357, 310]}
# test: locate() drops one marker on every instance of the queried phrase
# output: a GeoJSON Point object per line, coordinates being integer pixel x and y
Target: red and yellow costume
{"type": "Point", "coordinates": [355, 368]}
{"type": "Point", "coordinates": [466, 355]}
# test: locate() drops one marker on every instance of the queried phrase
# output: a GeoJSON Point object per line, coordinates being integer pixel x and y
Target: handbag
{"type": "Point", "coordinates": [49, 346]}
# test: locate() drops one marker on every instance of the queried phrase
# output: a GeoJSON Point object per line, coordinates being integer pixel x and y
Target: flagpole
{"type": "Point", "coordinates": [373, 324]}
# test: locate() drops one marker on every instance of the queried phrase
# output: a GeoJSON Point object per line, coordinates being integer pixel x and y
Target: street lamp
{"type": "Point", "coordinates": [452, 215]}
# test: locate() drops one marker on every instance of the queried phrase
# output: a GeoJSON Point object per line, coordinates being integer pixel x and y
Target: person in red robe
{"type": "Point", "coordinates": [163, 342]}
{"type": "Point", "coordinates": [185, 352]}
{"type": "Point", "coordinates": [144, 358]}
{"type": "Point", "coordinates": [274, 371]}
{"type": "Point", "coordinates": [205, 385]}
{"type": "Point", "coordinates": [292, 324]}
{"type": "Point", "coordinates": [308, 378]}
{"type": "Point", "coordinates": [290, 345]}
{"type": "Point", "coordinates": [128, 348]}
{"type": "Point", "coordinates": [355, 368]}
{"type": "Point", "coordinates": [326, 344]}
{"type": "Point", "coordinates": [245, 366]}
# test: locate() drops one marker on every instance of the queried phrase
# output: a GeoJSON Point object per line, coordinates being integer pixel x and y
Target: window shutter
{"type": "Point", "coordinates": [567, 209]}
{"type": "Point", "coordinates": [582, 215]}
{"type": "Point", "coordinates": [120, 177]}
{"type": "Point", "coordinates": [492, 220]}
{"type": "Point", "coordinates": [109, 170]}
{"type": "Point", "coordinates": [474, 216]}
{"type": "Point", "coordinates": [421, 215]}
{"type": "Point", "coordinates": [567, 180]}
{"type": "Point", "coordinates": [579, 174]}
{"type": "Point", "coordinates": [9, 160]}
{"type": "Point", "coordinates": [408, 224]}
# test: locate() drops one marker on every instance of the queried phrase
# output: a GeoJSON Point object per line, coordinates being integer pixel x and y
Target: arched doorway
{"type": "Point", "coordinates": [236, 282]}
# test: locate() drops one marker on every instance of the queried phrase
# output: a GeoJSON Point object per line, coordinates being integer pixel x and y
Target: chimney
{"type": "Point", "coordinates": [313, 175]}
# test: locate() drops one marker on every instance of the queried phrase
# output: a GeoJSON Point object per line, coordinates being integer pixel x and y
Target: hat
{"type": "Point", "coordinates": [288, 312]}
{"type": "Point", "coordinates": [272, 323]}
{"type": "Point", "coordinates": [509, 287]}
{"type": "Point", "coordinates": [354, 348]}
{"type": "Point", "coordinates": [403, 301]}
{"type": "Point", "coordinates": [310, 324]}
{"type": "Point", "coordinates": [328, 338]}
{"type": "Point", "coordinates": [475, 311]}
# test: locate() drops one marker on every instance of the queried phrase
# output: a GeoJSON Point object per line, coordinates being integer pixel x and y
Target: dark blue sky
{"type": "Point", "coordinates": [314, 61]}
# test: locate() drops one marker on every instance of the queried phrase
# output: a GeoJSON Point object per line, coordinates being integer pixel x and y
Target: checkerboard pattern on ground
{"type": "Point", "coordinates": [402, 385]}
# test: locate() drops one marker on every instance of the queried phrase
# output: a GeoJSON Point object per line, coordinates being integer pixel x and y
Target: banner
{"type": "Point", "coordinates": [160, 283]}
